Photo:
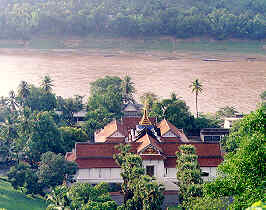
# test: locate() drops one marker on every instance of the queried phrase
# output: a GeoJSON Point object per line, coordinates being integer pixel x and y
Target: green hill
{"type": "Point", "coordinates": [11, 199]}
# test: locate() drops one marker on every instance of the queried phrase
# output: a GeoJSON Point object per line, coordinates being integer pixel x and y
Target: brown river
{"type": "Point", "coordinates": [233, 80]}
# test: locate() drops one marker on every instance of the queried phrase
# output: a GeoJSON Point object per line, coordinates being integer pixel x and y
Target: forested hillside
{"type": "Point", "coordinates": [219, 19]}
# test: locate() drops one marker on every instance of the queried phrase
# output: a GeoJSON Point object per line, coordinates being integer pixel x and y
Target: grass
{"type": "Point", "coordinates": [11, 199]}
{"type": "Point", "coordinates": [142, 44]}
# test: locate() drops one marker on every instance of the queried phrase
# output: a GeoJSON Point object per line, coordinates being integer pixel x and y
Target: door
{"type": "Point", "coordinates": [150, 170]}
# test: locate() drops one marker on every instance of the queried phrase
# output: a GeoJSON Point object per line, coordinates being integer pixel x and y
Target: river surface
{"type": "Point", "coordinates": [233, 80]}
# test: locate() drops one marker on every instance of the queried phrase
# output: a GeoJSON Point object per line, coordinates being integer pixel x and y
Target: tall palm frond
{"type": "Point", "coordinates": [47, 84]}
{"type": "Point", "coordinates": [196, 88]}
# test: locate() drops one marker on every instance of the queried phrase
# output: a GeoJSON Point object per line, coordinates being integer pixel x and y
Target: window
{"type": "Point", "coordinates": [150, 170]}
{"type": "Point", "coordinates": [204, 174]}
{"type": "Point", "coordinates": [212, 138]}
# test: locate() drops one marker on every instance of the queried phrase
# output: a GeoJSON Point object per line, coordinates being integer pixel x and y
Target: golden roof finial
{"type": "Point", "coordinates": [145, 119]}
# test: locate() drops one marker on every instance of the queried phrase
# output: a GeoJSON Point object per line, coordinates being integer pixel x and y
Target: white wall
{"type": "Point", "coordinates": [212, 171]}
{"type": "Point", "coordinates": [95, 175]}
{"type": "Point", "coordinates": [158, 166]}
{"type": "Point", "coordinates": [170, 172]}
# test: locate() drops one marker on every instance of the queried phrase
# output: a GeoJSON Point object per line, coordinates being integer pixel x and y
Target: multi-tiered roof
{"type": "Point", "coordinates": [151, 140]}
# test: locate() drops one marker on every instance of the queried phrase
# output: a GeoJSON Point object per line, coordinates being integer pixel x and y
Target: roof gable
{"type": "Point", "coordinates": [112, 129]}
{"type": "Point", "coordinates": [130, 108]}
{"type": "Point", "coordinates": [150, 150]}
{"type": "Point", "coordinates": [146, 141]}
{"type": "Point", "coordinates": [165, 126]}
{"type": "Point", "coordinates": [169, 134]}
{"type": "Point", "coordinates": [117, 134]}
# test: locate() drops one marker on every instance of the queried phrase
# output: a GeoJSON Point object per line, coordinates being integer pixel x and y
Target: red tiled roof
{"type": "Point", "coordinates": [115, 140]}
{"type": "Point", "coordinates": [165, 126]}
{"type": "Point", "coordinates": [153, 157]}
{"type": "Point", "coordinates": [202, 148]}
{"type": "Point", "coordinates": [84, 150]}
{"type": "Point", "coordinates": [109, 130]}
{"type": "Point", "coordinates": [148, 140]}
{"type": "Point", "coordinates": [170, 162]}
{"type": "Point", "coordinates": [130, 122]}
{"type": "Point", "coordinates": [97, 163]}
{"type": "Point", "coordinates": [101, 154]}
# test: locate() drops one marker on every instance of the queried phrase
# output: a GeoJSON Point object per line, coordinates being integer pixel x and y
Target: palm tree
{"type": "Point", "coordinates": [23, 91]}
{"type": "Point", "coordinates": [128, 90]}
{"type": "Point", "coordinates": [197, 88]}
{"type": "Point", "coordinates": [47, 84]}
{"type": "Point", "coordinates": [12, 100]}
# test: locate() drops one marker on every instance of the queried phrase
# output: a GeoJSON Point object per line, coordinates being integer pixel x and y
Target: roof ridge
{"type": "Point", "coordinates": [168, 125]}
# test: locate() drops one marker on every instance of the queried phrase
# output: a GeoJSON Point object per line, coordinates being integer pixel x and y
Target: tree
{"type": "Point", "coordinates": [128, 90]}
{"type": "Point", "coordinates": [188, 174]}
{"type": "Point", "coordinates": [71, 136]}
{"type": "Point", "coordinates": [227, 111]}
{"type": "Point", "coordinates": [12, 101]}
{"type": "Point", "coordinates": [8, 136]}
{"type": "Point", "coordinates": [84, 196]}
{"type": "Point", "coordinates": [96, 119]}
{"type": "Point", "coordinates": [106, 93]}
{"type": "Point", "coordinates": [40, 100]}
{"type": "Point", "coordinates": [131, 166]}
{"type": "Point", "coordinates": [17, 175]}
{"type": "Point", "coordinates": [22, 176]}
{"type": "Point", "coordinates": [197, 88]}
{"type": "Point", "coordinates": [242, 174]}
{"type": "Point", "coordinates": [23, 91]}
{"type": "Point", "coordinates": [207, 203]}
{"type": "Point", "coordinates": [245, 126]}
{"type": "Point", "coordinates": [44, 137]}
{"type": "Point", "coordinates": [104, 104]}
{"type": "Point", "coordinates": [54, 169]}
{"type": "Point", "coordinates": [68, 107]}
{"type": "Point", "coordinates": [176, 111]}
{"type": "Point", "coordinates": [57, 198]}
{"type": "Point", "coordinates": [263, 98]}
{"type": "Point", "coordinates": [47, 84]}
{"type": "Point", "coordinates": [140, 191]}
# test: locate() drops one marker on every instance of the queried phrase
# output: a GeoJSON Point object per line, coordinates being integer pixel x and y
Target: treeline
{"type": "Point", "coordinates": [219, 19]}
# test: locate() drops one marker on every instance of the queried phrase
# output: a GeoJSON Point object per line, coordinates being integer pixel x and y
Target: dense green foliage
{"type": "Point", "coordinates": [182, 18]}
{"type": "Point", "coordinates": [68, 107]}
{"type": "Point", "coordinates": [177, 112]}
{"type": "Point", "coordinates": [72, 135]}
{"type": "Point", "coordinates": [140, 191]}
{"type": "Point", "coordinates": [81, 196]}
{"type": "Point", "coordinates": [52, 170]}
{"type": "Point", "coordinates": [107, 95]}
{"type": "Point", "coordinates": [188, 174]}
{"type": "Point", "coordinates": [243, 170]}
{"type": "Point", "coordinates": [207, 203]}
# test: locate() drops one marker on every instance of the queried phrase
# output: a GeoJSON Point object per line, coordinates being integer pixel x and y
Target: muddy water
{"type": "Point", "coordinates": [234, 80]}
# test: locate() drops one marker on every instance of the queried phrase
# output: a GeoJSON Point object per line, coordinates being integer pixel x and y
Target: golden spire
{"type": "Point", "coordinates": [145, 119]}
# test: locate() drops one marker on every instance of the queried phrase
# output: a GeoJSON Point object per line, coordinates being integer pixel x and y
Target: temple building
{"type": "Point", "coordinates": [156, 143]}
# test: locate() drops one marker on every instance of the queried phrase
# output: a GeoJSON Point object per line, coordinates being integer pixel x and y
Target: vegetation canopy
{"type": "Point", "coordinates": [183, 18]}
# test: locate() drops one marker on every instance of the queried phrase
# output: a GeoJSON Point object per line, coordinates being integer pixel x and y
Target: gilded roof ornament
{"type": "Point", "coordinates": [145, 119]}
